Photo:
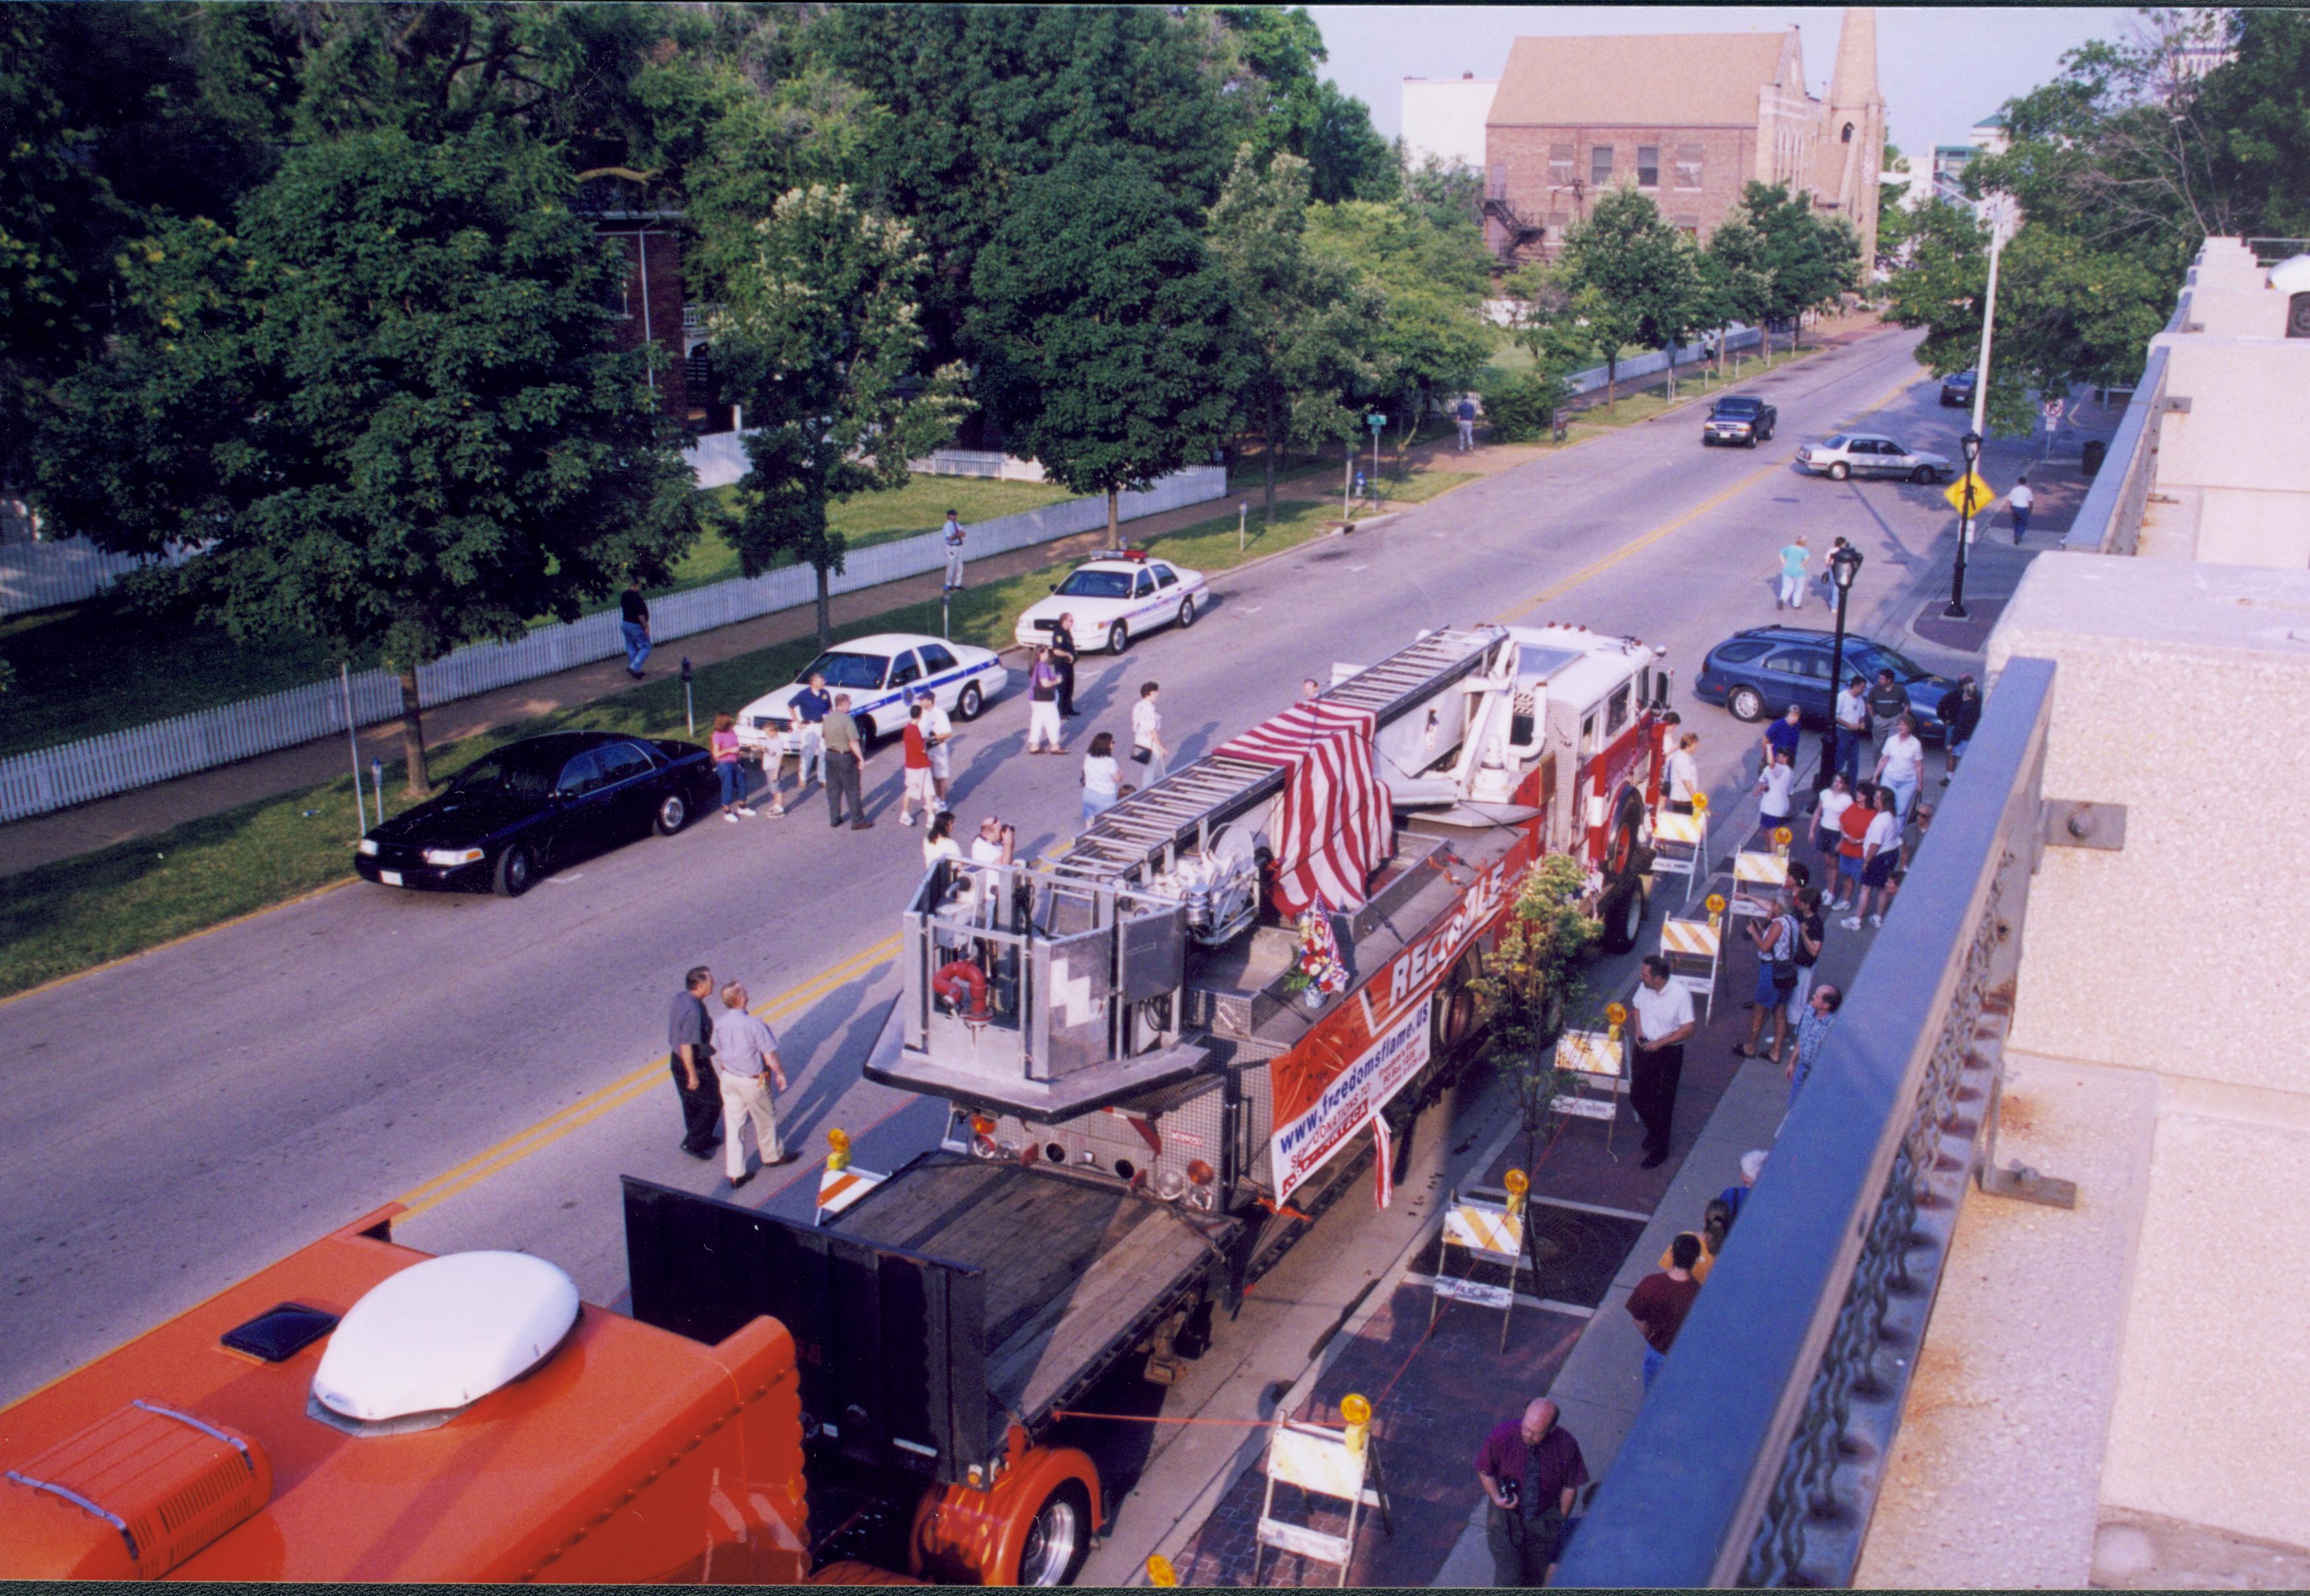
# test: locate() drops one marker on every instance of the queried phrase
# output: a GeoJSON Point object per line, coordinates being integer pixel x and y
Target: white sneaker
{"type": "Point", "coordinates": [1842, 902]}
{"type": "Point", "coordinates": [906, 820]}
{"type": "Point", "coordinates": [729, 817]}
{"type": "Point", "coordinates": [1854, 923]}
{"type": "Point", "coordinates": [746, 810]}
{"type": "Point", "coordinates": [1876, 919]}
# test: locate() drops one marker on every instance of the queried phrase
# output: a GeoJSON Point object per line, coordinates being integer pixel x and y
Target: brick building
{"type": "Point", "coordinates": [651, 305]}
{"type": "Point", "coordinates": [1688, 119]}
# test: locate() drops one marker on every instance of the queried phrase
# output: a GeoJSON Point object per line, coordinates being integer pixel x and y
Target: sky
{"type": "Point", "coordinates": [1942, 68]}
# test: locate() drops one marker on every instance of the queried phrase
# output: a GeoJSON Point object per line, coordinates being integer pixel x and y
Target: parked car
{"type": "Point", "coordinates": [1871, 455]}
{"type": "Point", "coordinates": [1739, 418]}
{"type": "Point", "coordinates": [1757, 673]}
{"type": "Point", "coordinates": [1957, 388]}
{"type": "Point", "coordinates": [1115, 597]}
{"type": "Point", "coordinates": [877, 672]}
{"type": "Point", "coordinates": [533, 804]}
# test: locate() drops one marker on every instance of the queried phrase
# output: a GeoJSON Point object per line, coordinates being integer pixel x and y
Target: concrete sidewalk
{"type": "Point", "coordinates": [1600, 1223]}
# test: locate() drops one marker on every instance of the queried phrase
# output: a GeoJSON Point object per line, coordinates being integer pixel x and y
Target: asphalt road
{"type": "Point", "coordinates": [175, 1121]}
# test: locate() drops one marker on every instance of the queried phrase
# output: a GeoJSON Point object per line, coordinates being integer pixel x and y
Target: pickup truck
{"type": "Point", "coordinates": [1739, 418]}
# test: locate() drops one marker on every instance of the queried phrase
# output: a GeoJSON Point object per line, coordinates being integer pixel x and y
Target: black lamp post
{"type": "Point", "coordinates": [1955, 609]}
{"type": "Point", "coordinates": [1843, 565]}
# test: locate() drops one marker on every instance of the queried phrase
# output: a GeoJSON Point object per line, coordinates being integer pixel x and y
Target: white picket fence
{"type": "Point", "coordinates": [63, 571]}
{"type": "Point", "coordinates": [52, 778]}
{"type": "Point", "coordinates": [1647, 365]}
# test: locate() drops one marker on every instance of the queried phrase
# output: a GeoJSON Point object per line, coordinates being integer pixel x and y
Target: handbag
{"type": "Point", "coordinates": [1784, 970]}
{"type": "Point", "coordinates": [1140, 754]}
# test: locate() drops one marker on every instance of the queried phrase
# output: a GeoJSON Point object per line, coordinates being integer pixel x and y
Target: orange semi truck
{"type": "Point", "coordinates": [1148, 1108]}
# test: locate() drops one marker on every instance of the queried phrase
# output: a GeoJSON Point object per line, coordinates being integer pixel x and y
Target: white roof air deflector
{"type": "Point", "coordinates": [443, 1334]}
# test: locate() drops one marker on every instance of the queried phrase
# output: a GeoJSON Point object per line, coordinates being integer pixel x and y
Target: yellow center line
{"type": "Point", "coordinates": [1635, 545]}
{"type": "Point", "coordinates": [625, 1089]}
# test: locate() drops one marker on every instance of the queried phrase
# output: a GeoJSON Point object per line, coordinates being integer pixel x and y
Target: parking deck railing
{"type": "Point", "coordinates": [1759, 1454]}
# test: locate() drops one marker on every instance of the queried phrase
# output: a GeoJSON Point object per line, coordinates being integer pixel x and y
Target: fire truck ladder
{"type": "Point", "coordinates": [1136, 835]}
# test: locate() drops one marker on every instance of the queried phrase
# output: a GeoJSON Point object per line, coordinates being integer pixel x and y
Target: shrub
{"type": "Point", "coordinates": [1522, 407]}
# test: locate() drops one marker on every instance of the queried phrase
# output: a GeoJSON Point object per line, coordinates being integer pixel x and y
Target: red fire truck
{"type": "Point", "coordinates": [1152, 1099]}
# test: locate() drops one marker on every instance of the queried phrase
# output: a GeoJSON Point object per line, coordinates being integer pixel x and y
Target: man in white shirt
{"type": "Point", "coordinates": [994, 843]}
{"type": "Point", "coordinates": [1147, 731]}
{"type": "Point", "coordinates": [1683, 774]}
{"type": "Point", "coordinates": [951, 535]}
{"type": "Point", "coordinates": [2021, 498]}
{"type": "Point", "coordinates": [938, 734]}
{"type": "Point", "coordinates": [1852, 729]}
{"type": "Point", "coordinates": [1663, 1025]}
{"type": "Point", "coordinates": [1776, 791]}
{"type": "Point", "coordinates": [746, 1052]}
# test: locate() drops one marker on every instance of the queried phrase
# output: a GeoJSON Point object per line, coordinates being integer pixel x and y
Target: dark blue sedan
{"type": "Point", "coordinates": [1757, 674]}
{"type": "Point", "coordinates": [536, 804]}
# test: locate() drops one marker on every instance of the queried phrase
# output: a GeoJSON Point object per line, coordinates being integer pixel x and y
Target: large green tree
{"type": "Point", "coordinates": [1809, 260]}
{"type": "Point", "coordinates": [1735, 284]}
{"type": "Point", "coordinates": [1269, 56]}
{"type": "Point", "coordinates": [1307, 319]}
{"type": "Point", "coordinates": [1109, 346]}
{"type": "Point", "coordinates": [983, 100]}
{"type": "Point", "coordinates": [819, 340]}
{"type": "Point", "coordinates": [1431, 338]}
{"type": "Point", "coordinates": [1633, 278]}
{"type": "Point", "coordinates": [389, 405]}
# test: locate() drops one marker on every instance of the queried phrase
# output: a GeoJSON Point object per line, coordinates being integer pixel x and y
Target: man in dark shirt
{"type": "Point", "coordinates": [1661, 1301]}
{"type": "Point", "coordinates": [633, 625]}
{"type": "Point", "coordinates": [812, 705]}
{"type": "Point", "coordinates": [1888, 701]}
{"type": "Point", "coordinates": [1531, 1469]}
{"type": "Point", "coordinates": [1785, 734]}
{"type": "Point", "coordinates": [1063, 656]}
{"type": "Point", "coordinates": [690, 1042]}
{"type": "Point", "coordinates": [1961, 713]}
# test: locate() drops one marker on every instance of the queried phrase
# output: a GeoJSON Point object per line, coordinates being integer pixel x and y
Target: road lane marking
{"type": "Point", "coordinates": [625, 1089]}
{"type": "Point", "coordinates": [1636, 545]}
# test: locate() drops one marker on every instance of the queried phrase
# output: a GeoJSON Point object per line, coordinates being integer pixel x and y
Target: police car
{"type": "Point", "coordinates": [1118, 596]}
{"type": "Point", "coordinates": [878, 673]}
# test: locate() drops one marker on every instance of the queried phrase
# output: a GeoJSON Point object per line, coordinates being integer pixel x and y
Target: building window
{"type": "Point", "coordinates": [1687, 165]}
{"type": "Point", "coordinates": [1690, 226]}
{"type": "Point", "coordinates": [1559, 166]}
{"type": "Point", "coordinates": [1847, 138]}
{"type": "Point", "coordinates": [1600, 165]}
{"type": "Point", "coordinates": [1648, 166]}
{"type": "Point", "coordinates": [1498, 187]}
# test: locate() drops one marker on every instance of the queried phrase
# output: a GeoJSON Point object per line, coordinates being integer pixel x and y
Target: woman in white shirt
{"type": "Point", "coordinates": [1828, 810]}
{"type": "Point", "coordinates": [1900, 764]}
{"type": "Point", "coordinates": [939, 843]}
{"type": "Point", "coordinates": [1099, 777]}
{"type": "Point", "coordinates": [1683, 774]}
{"type": "Point", "coordinates": [1147, 732]}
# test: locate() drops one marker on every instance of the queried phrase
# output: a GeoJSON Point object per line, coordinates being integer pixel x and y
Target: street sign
{"type": "Point", "coordinates": [1969, 495]}
{"type": "Point", "coordinates": [2053, 409]}
{"type": "Point", "coordinates": [1375, 421]}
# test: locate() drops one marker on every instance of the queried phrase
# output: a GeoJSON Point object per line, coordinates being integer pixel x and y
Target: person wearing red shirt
{"type": "Point", "coordinates": [918, 764]}
{"type": "Point", "coordinates": [1661, 1301]}
{"type": "Point", "coordinates": [1852, 830]}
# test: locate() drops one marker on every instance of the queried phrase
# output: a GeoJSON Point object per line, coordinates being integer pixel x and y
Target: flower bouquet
{"type": "Point", "coordinates": [1316, 971]}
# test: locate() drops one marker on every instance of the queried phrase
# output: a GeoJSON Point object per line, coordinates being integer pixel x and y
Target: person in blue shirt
{"type": "Point", "coordinates": [1784, 735]}
{"type": "Point", "coordinates": [811, 708]}
{"type": "Point", "coordinates": [1794, 559]}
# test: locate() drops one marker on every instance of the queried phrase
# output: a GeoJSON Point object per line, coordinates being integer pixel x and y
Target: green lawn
{"type": "Point", "coordinates": [94, 667]}
{"type": "Point", "coordinates": [83, 911]}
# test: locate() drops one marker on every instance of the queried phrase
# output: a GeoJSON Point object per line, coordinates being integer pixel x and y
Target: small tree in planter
{"type": "Point", "coordinates": [1528, 981]}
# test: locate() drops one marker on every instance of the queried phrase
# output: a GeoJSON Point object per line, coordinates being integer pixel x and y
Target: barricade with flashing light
{"type": "Point", "coordinates": [1681, 846]}
{"type": "Point", "coordinates": [841, 1184]}
{"type": "Point", "coordinates": [1487, 1225]}
{"type": "Point", "coordinates": [1763, 873]}
{"type": "Point", "coordinates": [1597, 1061]}
{"type": "Point", "coordinates": [1339, 1464]}
{"type": "Point", "coordinates": [1694, 952]}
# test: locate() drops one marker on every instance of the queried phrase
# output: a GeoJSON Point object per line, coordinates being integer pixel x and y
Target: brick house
{"type": "Point", "coordinates": [651, 305]}
{"type": "Point", "coordinates": [1688, 119]}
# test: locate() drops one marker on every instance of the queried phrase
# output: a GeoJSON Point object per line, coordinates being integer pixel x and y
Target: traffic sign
{"type": "Point", "coordinates": [1969, 495]}
{"type": "Point", "coordinates": [1375, 421]}
{"type": "Point", "coordinates": [2053, 409]}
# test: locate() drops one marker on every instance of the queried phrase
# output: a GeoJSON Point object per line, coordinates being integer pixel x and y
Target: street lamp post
{"type": "Point", "coordinates": [1955, 609]}
{"type": "Point", "coordinates": [1843, 565]}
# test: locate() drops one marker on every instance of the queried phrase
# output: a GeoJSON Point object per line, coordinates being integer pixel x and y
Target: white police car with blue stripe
{"type": "Point", "coordinates": [879, 672]}
{"type": "Point", "coordinates": [1115, 597]}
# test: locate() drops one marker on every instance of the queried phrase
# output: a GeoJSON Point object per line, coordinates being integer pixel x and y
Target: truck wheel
{"type": "Point", "coordinates": [1186, 613]}
{"type": "Point", "coordinates": [1118, 637]}
{"type": "Point", "coordinates": [1454, 1018]}
{"type": "Point", "coordinates": [1624, 917]}
{"type": "Point", "coordinates": [967, 707]}
{"type": "Point", "coordinates": [1058, 1539]}
{"type": "Point", "coordinates": [1746, 704]}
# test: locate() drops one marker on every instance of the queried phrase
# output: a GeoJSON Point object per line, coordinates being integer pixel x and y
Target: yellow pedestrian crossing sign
{"type": "Point", "coordinates": [1969, 495]}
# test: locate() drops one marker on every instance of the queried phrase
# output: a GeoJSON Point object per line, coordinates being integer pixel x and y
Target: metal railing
{"type": "Point", "coordinates": [1760, 1450]}
{"type": "Point", "coordinates": [2109, 520]}
{"type": "Point", "coordinates": [2269, 252]}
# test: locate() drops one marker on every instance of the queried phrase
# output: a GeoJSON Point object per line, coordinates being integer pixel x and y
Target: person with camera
{"type": "Point", "coordinates": [1531, 1469]}
{"type": "Point", "coordinates": [996, 842]}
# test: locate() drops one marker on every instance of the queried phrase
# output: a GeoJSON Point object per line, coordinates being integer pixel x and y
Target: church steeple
{"type": "Point", "coordinates": [1850, 150]}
